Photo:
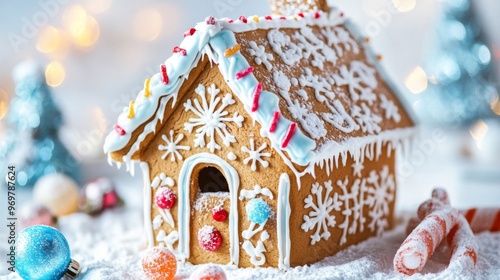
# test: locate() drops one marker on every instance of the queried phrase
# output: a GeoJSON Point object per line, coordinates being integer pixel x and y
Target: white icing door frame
{"type": "Point", "coordinates": [184, 207]}
{"type": "Point", "coordinates": [283, 221]}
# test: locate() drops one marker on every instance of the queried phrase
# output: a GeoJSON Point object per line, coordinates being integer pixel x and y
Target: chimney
{"type": "Point", "coordinates": [293, 7]}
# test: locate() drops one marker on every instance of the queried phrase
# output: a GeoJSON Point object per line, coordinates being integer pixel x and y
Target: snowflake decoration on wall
{"type": "Point", "coordinates": [172, 148]}
{"type": "Point", "coordinates": [353, 207]}
{"type": "Point", "coordinates": [381, 191]}
{"type": "Point", "coordinates": [255, 155]}
{"type": "Point", "coordinates": [391, 110]}
{"type": "Point", "coordinates": [368, 121]}
{"type": "Point", "coordinates": [360, 79]}
{"type": "Point", "coordinates": [320, 216]}
{"type": "Point", "coordinates": [311, 45]}
{"type": "Point", "coordinates": [211, 118]}
{"type": "Point", "coordinates": [261, 57]}
{"type": "Point", "coordinates": [338, 37]}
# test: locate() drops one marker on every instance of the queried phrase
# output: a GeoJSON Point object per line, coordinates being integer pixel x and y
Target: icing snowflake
{"type": "Point", "coordinates": [368, 121]}
{"type": "Point", "coordinates": [320, 216]}
{"type": "Point", "coordinates": [391, 110]}
{"type": "Point", "coordinates": [339, 117]}
{"type": "Point", "coordinates": [261, 57]}
{"type": "Point", "coordinates": [353, 208]}
{"type": "Point", "coordinates": [281, 44]}
{"type": "Point", "coordinates": [172, 148]}
{"type": "Point", "coordinates": [360, 80]}
{"type": "Point", "coordinates": [309, 121]}
{"type": "Point", "coordinates": [322, 88]}
{"type": "Point", "coordinates": [381, 193]}
{"type": "Point", "coordinates": [357, 167]}
{"type": "Point", "coordinates": [210, 119]}
{"type": "Point", "coordinates": [255, 155]}
{"type": "Point", "coordinates": [339, 38]}
{"type": "Point", "coordinates": [312, 46]}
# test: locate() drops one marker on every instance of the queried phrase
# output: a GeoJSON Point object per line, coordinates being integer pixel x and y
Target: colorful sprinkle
{"type": "Point", "coordinates": [317, 15]}
{"type": "Point", "coordinates": [342, 14]}
{"type": "Point", "coordinates": [256, 95]}
{"type": "Point", "coordinates": [301, 15]}
{"type": "Point", "coordinates": [268, 17]}
{"type": "Point", "coordinates": [179, 50]}
{"type": "Point", "coordinates": [119, 130]}
{"type": "Point", "coordinates": [283, 18]}
{"type": "Point", "coordinates": [243, 19]}
{"type": "Point", "coordinates": [256, 18]}
{"type": "Point", "coordinates": [190, 32]}
{"type": "Point", "coordinates": [164, 76]}
{"type": "Point", "coordinates": [229, 20]}
{"type": "Point", "coordinates": [147, 93]}
{"type": "Point", "coordinates": [379, 57]}
{"type": "Point", "coordinates": [210, 20]}
{"type": "Point", "coordinates": [131, 112]}
{"type": "Point", "coordinates": [274, 121]}
{"type": "Point", "coordinates": [367, 40]}
{"type": "Point", "coordinates": [244, 72]}
{"type": "Point", "coordinates": [232, 50]}
{"type": "Point", "coordinates": [288, 135]}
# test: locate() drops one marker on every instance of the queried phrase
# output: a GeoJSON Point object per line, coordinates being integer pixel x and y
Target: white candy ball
{"type": "Point", "coordinates": [58, 193]}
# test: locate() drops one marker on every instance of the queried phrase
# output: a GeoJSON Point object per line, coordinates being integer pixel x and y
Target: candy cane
{"type": "Point", "coordinates": [424, 239]}
{"type": "Point", "coordinates": [462, 244]}
{"type": "Point", "coordinates": [484, 219]}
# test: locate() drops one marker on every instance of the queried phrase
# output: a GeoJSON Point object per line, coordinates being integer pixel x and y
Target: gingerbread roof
{"type": "Point", "coordinates": [316, 91]}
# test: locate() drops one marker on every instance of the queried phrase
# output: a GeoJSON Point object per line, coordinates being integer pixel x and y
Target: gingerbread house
{"type": "Point", "coordinates": [265, 141]}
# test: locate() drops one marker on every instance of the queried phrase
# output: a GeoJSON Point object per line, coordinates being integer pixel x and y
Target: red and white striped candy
{"type": "Point", "coordinates": [463, 244]}
{"type": "Point", "coordinates": [484, 219]}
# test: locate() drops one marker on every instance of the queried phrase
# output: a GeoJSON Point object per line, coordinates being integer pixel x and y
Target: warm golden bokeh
{"type": "Point", "coordinates": [55, 74]}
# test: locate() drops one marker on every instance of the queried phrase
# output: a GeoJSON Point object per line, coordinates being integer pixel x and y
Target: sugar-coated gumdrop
{"type": "Point", "coordinates": [219, 214]}
{"type": "Point", "coordinates": [159, 263]}
{"type": "Point", "coordinates": [258, 210]}
{"type": "Point", "coordinates": [208, 272]}
{"type": "Point", "coordinates": [165, 198]}
{"type": "Point", "coordinates": [209, 238]}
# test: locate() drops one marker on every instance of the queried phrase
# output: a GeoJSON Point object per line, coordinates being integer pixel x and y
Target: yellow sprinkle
{"type": "Point", "coordinates": [256, 19]}
{"type": "Point", "coordinates": [147, 93]}
{"type": "Point", "coordinates": [232, 50]}
{"type": "Point", "coordinates": [295, 18]}
{"type": "Point", "coordinates": [131, 112]}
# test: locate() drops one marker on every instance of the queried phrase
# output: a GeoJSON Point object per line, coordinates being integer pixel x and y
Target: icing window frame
{"type": "Point", "coordinates": [210, 179]}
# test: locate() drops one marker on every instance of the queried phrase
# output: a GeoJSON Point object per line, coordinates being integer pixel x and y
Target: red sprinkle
{"type": "Point", "coordinates": [119, 130]}
{"type": "Point", "coordinates": [274, 121]}
{"type": "Point", "coordinates": [301, 15]}
{"type": "Point", "coordinates": [268, 17]}
{"type": "Point", "coordinates": [164, 76]}
{"type": "Point", "coordinates": [317, 15]}
{"type": "Point", "coordinates": [244, 19]}
{"type": "Point", "coordinates": [256, 95]}
{"type": "Point", "coordinates": [288, 135]}
{"type": "Point", "coordinates": [219, 214]}
{"type": "Point", "coordinates": [284, 18]}
{"type": "Point", "coordinates": [342, 14]}
{"type": "Point", "coordinates": [210, 20]}
{"type": "Point", "coordinates": [179, 50]}
{"type": "Point", "coordinates": [229, 20]}
{"type": "Point", "coordinates": [243, 73]}
{"type": "Point", "coordinates": [189, 32]}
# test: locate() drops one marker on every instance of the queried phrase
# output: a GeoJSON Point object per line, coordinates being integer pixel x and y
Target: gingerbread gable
{"type": "Point", "coordinates": [308, 82]}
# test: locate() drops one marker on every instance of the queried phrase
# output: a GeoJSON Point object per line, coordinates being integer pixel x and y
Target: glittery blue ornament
{"type": "Point", "coordinates": [32, 142]}
{"type": "Point", "coordinates": [462, 81]}
{"type": "Point", "coordinates": [258, 210]}
{"type": "Point", "coordinates": [43, 254]}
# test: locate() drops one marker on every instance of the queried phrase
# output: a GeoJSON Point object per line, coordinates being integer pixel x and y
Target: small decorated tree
{"type": "Point", "coordinates": [32, 143]}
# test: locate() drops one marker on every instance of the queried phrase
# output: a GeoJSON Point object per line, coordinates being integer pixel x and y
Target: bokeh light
{"type": "Point", "coordinates": [4, 103]}
{"type": "Point", "coordinates": [404, 6]}
{"type": "Point", "coordinates": [495, 105]}
{"type": "Point", "coordinates": [83, 29]}
{"type": "Point", "coordinates": [478, 131]}
{"type": "Point", "coordinates": [147, 24]}
{"type": "Point", "coordinates": [55, 74]}
{"type": "Point", "coordinates": [50, 40]}
{"type": "Point", "coordinates": [98, 6]}
{"type": "Point", "coordinates": [416, 81]}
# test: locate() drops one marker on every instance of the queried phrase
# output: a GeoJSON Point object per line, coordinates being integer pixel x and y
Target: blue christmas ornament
{"type": "Point", "coordinates": [258, 210]}
{"type": "Point", "coordinates": [43, 254]}
{"type": "Point", "coordinates": [32, 142]}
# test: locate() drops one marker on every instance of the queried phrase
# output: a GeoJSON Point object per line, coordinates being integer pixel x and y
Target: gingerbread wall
{"type": "Point", "coordinates": [266, 177]}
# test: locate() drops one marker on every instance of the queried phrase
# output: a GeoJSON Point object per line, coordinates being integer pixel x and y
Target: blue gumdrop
{"type": "Point", "coordinates": [42, 253]}
{"type": "Point", "coordinates": [258, 210]}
